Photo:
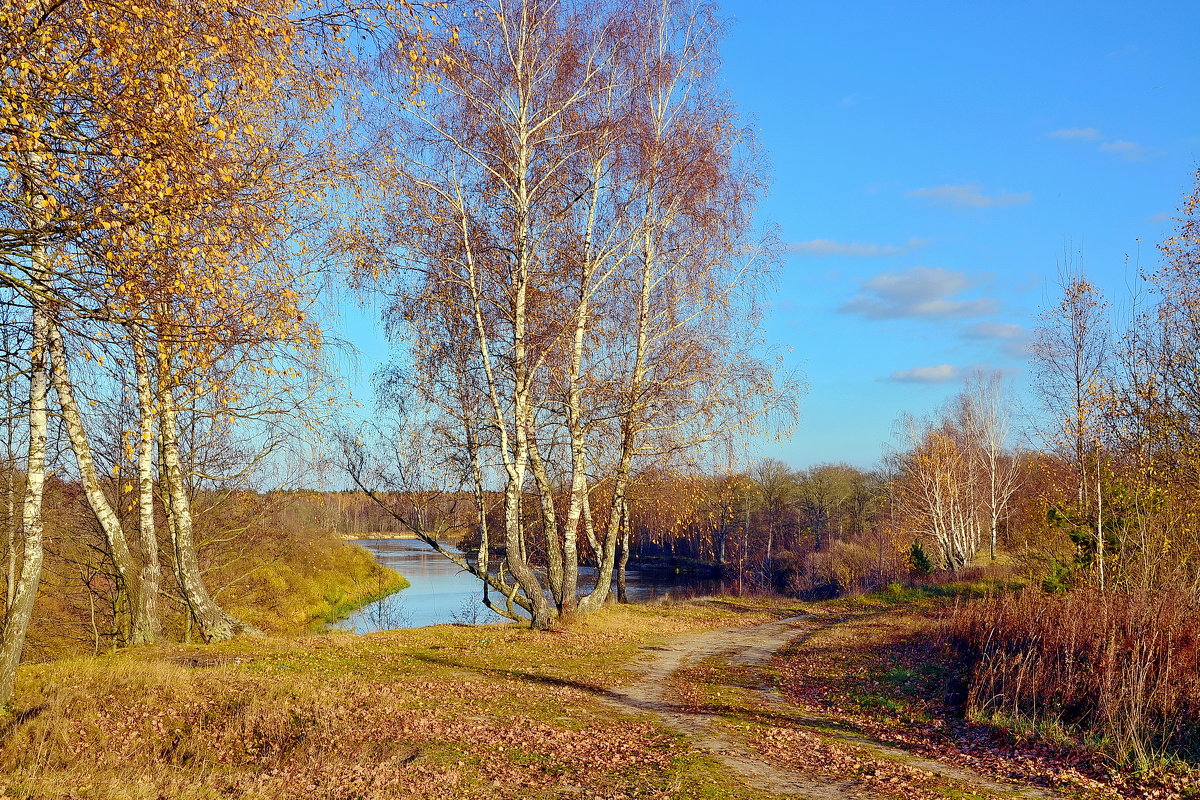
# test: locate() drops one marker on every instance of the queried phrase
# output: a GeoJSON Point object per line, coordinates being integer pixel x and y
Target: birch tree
{"type": "Point", "coordinates": [156, 156]}
{"type": "Point", "coordinates": [569, 241]}
{"type": "Point", "coordinates": [989, 414]}
{"type": "Point", "coordinates": [937, 488]}
{"type": "Point", "coordinates": [27, 569]}
{"type": "Point", "coordinates": [1072, 355]}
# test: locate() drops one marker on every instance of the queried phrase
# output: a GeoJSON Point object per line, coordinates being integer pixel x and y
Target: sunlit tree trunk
{"type": "Point", "coordinates": [128, 572]}
{"type": "Point", "coordinates": [632, 405]}
{"type": "Point", "coordinates": [578, 197]}
{"type": "Point", "coordinates": [990, 415]}
{"type": "Point", "coordinates": [147, 626]}
{"type": "Point", "coordinates": [29, 565]}
{"type": "Point", "coordinates": [10, 495]}
{"type": "Point", "coordinates": [215, 623]}
{"type": "Point", "coordinates": [555, 576]}
{"type": "Point", "coordinates": [1071, 349]}
{"type": "Point", "coordinates": [594, 255]}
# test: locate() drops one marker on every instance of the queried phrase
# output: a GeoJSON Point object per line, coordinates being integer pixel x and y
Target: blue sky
{"type": "Point", "coordinates": [932, 165]}
{"type": "Point", "coordinates": [933, 162]}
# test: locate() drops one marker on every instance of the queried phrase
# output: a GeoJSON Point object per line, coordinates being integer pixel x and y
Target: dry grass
{"type": "Point", "coordinates": [891, 677]}
{"type": "Point", "coordinates": [1123, 669]}
{"type": "Point", "coordinates": [452, 712]}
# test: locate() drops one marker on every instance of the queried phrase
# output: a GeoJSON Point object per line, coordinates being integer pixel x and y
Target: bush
{"type": "Point", "coordinates": [845, 567]}
{"type": "Point", "coordinates": [919, 561]}
{"type": "Point", "coordinates": [1058, 578]}
{"type": "Point", "coordinates": [787, 572]}
{"type": "Point", "coordinates": [1120, 668]}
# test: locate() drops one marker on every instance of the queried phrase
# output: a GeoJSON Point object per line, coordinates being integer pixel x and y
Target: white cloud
{"type": "Point", "coordinates": [1163, 217]}
{"type": "Point", "coordinates": [920, 292]}
{"type": "Point", "coordinates": [1131, 150]}
{"type": "Point", "coordinates": [969, 195]}
{"type": "Point", "coordinates": [1012, 340]}
{"type": "Point", "coordinates": [1082, 134]}
{"type": "Point", "coordinates": [829, 247]}
{"type": "Point", "coordinates": [989, 329]}
{"type": "Point", "coordinates": [940, 373]}
{"type": "Point", "coordinates": [946, 373]}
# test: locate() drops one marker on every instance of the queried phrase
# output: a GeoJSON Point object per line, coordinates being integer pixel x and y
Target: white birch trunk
{"type": "Point", "coordinates": [10, 499]}
{"type": "Point", "coordinates": [214, 622]}
{"type": "Point", "coordinates": [147, 626]}
{"type": "Point", "coordinates": [128, 573]}
{"type": "Point", "coordinates": [20, 612]}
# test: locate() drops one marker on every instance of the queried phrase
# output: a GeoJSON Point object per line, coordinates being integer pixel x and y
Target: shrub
{"type": "Point", "coordinates": [787, 572]}
{"type": "Point", "coordinates": [918, 560]}
{"type": "Point", "coordinates": [1058, 577]}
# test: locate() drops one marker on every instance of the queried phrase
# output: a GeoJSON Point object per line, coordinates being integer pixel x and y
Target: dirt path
{"type": "Point", "coordinates": [754, 647]}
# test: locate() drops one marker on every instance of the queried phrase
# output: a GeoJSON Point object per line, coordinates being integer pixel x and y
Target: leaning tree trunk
{"type": "Point", "coordinates": [215, 623]}
{"type": "Point", "coordinates": [21, 611]}
{"type": "Point", "coordinates": [128, 573]}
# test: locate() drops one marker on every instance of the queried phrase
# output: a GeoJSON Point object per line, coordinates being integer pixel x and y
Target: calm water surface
{"type": "Point", "coordinates": [442, 593]}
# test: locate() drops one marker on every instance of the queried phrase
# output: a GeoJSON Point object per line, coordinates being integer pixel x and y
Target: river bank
{"type": "Point", "coordinates": [330, 582]}
{"type": "Point", "coordinates": [443, 593]}
{"type": "Point", "coordinates": [447, 711]}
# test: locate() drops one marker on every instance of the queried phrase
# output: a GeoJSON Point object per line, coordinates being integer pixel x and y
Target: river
{"type": "Point", "coordinates": [441, 593]}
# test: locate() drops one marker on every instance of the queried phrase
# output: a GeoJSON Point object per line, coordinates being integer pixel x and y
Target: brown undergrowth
{"type": "Point", "coordinates": [894, 676]}
{"type": "Point", "coordinates": [739, 698]}
{"type": "Point", "coordinates": [796, 744]}
{"type": "Point", "coordinates": [1120, 668]}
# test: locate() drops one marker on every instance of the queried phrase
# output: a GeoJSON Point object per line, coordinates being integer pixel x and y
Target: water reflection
{"type": "Point", "coordinates": [441, 593]}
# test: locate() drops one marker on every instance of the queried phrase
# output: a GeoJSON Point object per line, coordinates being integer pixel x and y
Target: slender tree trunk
{"type": "Point", "coordinates": [522, 383]}
{"type": "Point", "coordinates": [626, 524]}
{"type": "Point", "coordinates": [550, 527]}
{"type": "Point", "coordinates": [214, 622]}
{"type": "Point", "coordinates": [994, 504]}
{"type": "Point", "coordinates": [10, 498]}
{"type": "Point", "coordinates": [147, 626]}
{"type": "Point", "coordinates": [579, 490]}
{"type": "Point", "coordinates": [607, 558]}
{"type": "Point", "coordinates": [16, 625]}
{"type": "Point", "coordinates": [1099, 526]}
{"type": "Point", "coordinates": [630, 416]}
{"type": "Point", "coordinates": [128, 573]}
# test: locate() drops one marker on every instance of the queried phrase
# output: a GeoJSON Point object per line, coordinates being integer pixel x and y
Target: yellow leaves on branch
{"type": "Point", "coordinates": [166, 136]}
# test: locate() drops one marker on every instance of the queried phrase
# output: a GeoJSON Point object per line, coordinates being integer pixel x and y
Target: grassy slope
{"type": "Point", "coordinates": [450, 712]}
{"type": "Point", "coordinates": [298, 595]}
